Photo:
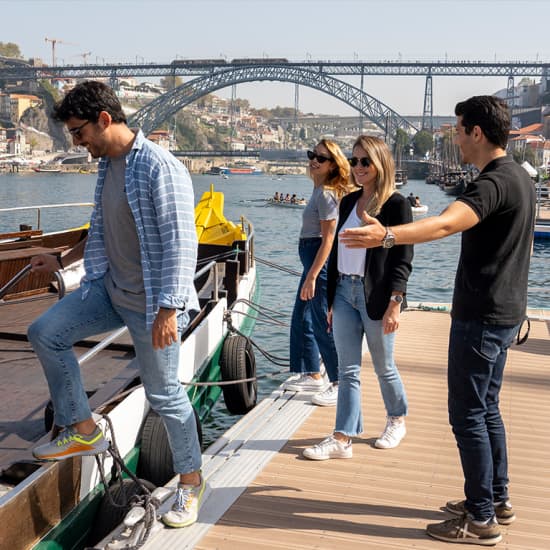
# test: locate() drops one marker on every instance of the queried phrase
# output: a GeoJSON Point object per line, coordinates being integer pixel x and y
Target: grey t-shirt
{"type": "Point", "coordinates": [124, 278]}
{"type": "Point", "coordinates": [323, 205]}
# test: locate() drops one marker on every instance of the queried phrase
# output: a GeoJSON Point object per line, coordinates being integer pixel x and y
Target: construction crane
{"type": "Point", "coordinates": [84, 56]}
{"type": "Point", "coordinates": [55, 41]}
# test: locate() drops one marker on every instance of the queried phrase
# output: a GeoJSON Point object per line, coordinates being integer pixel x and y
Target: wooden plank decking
{"type": "Point", "coordinates": [384, 498]}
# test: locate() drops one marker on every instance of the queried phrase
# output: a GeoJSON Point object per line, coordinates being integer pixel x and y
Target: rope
{"type": "Point", "coordinates": [277, 266]}
{"type": "Point", "coordinates": [149, 504]}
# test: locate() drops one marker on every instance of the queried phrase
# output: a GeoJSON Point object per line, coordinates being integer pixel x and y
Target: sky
{"type": "Point", "coordinates": [140, 31]}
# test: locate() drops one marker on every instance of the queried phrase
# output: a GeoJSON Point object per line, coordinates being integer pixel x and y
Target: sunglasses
{"type": "Point", "coordinates": [77, 132]}
{"type": "Point", "coordinates": [320, 158]}
{"type": "Point", "coordinates": [365, 162]}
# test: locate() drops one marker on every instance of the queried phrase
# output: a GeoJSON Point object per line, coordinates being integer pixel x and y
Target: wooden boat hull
{"type": "Point", "coordinates": [57, 502]}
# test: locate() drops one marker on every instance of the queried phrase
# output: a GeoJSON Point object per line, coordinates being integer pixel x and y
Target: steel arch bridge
{"type": "Point", "coordinates": [159, 110]}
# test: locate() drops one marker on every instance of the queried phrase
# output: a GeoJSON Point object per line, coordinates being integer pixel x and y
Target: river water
{"type": "Point", "coordinates": [277, 230]}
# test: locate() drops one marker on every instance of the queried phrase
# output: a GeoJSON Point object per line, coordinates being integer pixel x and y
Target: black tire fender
{"type": "Point", "coordinates": [237, 362]}
{"type": "Point", "coordinates": [155, 458]}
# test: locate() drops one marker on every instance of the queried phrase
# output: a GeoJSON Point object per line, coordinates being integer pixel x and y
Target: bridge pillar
{"type": "Point", "coordinates": [428, 112]}
{"type": "Point", "coordinates": [361, 99]}
{"type": "Point", "coordinates": [510, 92]}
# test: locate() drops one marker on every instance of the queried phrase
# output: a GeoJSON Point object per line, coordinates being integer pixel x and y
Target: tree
{"type": "Point", "coordinates": [401, 142]}
{"type": "Point", "coordinates": [423, 142]}
{"type": "Point", "coordinates": [9, 49]}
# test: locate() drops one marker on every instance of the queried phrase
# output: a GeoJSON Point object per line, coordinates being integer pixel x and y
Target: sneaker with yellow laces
{"type": "Point", "coordinates": [70, 443]}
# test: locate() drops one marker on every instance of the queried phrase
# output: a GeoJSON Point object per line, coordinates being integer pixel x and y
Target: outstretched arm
{"type": "Point", "coordinates": [457, 217]}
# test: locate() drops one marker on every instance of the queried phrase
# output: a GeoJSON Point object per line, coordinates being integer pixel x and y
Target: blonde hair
{"type": "Point", "coordinates": [339, 179]}
{"type": "Point", "coordinates": [381, 158]}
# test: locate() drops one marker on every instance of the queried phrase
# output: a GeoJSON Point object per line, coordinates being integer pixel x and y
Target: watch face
{"type": "Point", "coordinates": [388, 241]}
{"type": "Point", "coordinates": [397, 298]}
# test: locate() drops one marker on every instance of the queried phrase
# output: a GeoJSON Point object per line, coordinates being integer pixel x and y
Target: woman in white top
{"type": "Point", "coordinates": [366, 293]}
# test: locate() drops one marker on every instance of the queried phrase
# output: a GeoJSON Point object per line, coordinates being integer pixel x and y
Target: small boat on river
{"type": "Point", "coordinates": [66, 504]}
{"type": "Point", "coordinates": [47, 169]}
{"type": "Point", "coordinates": [421, 209]}
{"type": "Point", "coordinates": [300, 203]}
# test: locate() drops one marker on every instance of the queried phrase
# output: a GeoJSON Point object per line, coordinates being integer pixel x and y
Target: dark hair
{"type": "Point", "coordinates": [86, 100]}
{"type": "Point", "coordinates": [490, 113]}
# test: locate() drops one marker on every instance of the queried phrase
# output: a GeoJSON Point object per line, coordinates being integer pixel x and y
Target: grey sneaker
{"type": "Point", "coordinates": [306, 383]}
{"type": "Point", "coordinates": [503, 510]}
{"type": "Point", "coordinates": [330, 447]}
{"type": "Point", "coordinates": [326, 398]}
{"type": "Point", "coordinates": [465, 530]}
{"type": "Point", "coordinates": [71, 443]}
{"type": "Point", "coordinates": [393, 433]}
{"type": "Point", "coordinates": [185, 509]}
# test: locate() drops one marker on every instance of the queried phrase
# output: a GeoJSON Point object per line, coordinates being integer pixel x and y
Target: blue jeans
{"type": "Point", "coordinates": [72, 319]}
{"type": "Point", "coordinates": [477, 355]}
{"type": "Point", "coordinates": [350, 321]}
{"type": "Point", "coordinates": [309, 335]}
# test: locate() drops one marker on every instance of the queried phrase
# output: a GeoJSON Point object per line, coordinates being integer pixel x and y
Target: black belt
{"type": "Point", "coordinates": [352, 277]}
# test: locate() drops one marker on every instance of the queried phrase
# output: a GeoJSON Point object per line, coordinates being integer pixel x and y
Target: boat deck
{"type": "Point", "coordinates": [263, 494]}
{"type": "Point", "coordinates": [24, 394]}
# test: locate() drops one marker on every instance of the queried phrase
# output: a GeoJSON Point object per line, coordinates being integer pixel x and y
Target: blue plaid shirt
{"type": "Point", "coordinates": [160, 195]}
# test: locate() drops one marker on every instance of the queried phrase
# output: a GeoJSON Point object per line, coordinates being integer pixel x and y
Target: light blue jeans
{"type": "Point", "coordinates": [349, 322]}
{"type": "Point", "coordinates": [72, 319]}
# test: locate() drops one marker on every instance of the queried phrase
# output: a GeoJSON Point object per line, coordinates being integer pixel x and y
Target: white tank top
{"type": "Point", "coordinates": [351, 261]}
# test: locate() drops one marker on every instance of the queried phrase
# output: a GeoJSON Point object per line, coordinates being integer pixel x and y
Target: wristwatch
{"type": "Point", "coordinates": [396, 298]}
{"type": "Point", "coordinates": [389, 239]}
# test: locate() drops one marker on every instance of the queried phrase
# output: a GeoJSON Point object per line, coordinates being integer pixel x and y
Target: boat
{"type": "Point", "coordinates": [241, 170]}
{"type": "Point", "coordinates": [300, 203]}
{"type": "Point", "coordinates": [46, 169]}
{"type": "Point", "coordinates": [401, 177]}
{"type": "Point", "coordinates": [422, 209]}
{"type": "Point", "coordinates": [65, 504]}
{"type": "Point", "coordinates": [542, 229]}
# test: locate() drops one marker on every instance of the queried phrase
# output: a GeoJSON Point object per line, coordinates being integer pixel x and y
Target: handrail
{"type": "Point", "coordinates": [23, 273]}
{"type": "Point", "coordinates": [39, 207]}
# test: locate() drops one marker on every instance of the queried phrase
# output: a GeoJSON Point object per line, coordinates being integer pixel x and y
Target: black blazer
{"type": "Point", "coordinates": [386, 269]}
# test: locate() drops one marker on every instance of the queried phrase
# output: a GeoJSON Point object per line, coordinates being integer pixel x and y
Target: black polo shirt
{"type": "Point", "coordinates": [491, 280]}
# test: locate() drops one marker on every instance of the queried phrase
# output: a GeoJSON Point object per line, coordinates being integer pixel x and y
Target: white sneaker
{"type": "Point", "coordinates": [326, 398]}
{"type": "Point", "coordinates": [306, 383]}
{"type": "Point", "coordinates": [329, 448]}
{"type": "Point", "coordinates": [185, 509]}
{"type": "Point", "coordinates": [394, 432]}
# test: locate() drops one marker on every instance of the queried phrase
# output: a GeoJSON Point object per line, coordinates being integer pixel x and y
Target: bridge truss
{"type": "Point", "coordinates": [315, 74]}
{"type": "Point", "coordinates": [157, 111]}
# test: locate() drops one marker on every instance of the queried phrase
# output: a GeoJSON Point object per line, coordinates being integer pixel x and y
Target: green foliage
{"type": "Point", "coordinates": [422, 143]}
{"type": "Point", "coordinates": [401, 139]}
{"type": "Point", "coordinates": [525, 154]}
{"type": "Point", "coordinates": [9, 49]}
{"type": "Point", "coordinates": [47, 88]}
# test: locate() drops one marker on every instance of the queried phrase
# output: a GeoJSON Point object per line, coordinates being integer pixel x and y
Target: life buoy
{"type": "Point", "coordinates": [237, 362]}
{"type": "Point", "coordinates": [155, 457]}
{"type": "Point", "coordinates": [114, 506]}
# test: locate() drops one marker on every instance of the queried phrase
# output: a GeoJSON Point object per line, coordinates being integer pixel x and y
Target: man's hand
{"type": "Point", "coordinates": [165, 328]}
{"type": "Point", "coordinates": [44, 263]}
{"type": "Point", "coordinates": [369, 235]}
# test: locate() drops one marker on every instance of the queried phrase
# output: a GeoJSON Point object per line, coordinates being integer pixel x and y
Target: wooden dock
{"type": "Point", "coordinates": [263, 495]}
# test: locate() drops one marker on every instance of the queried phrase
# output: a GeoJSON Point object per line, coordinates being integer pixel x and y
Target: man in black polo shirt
{"type": "Point", "coordinates": [496, 215]}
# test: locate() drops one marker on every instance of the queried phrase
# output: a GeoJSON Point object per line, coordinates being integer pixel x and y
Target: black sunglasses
{"type": "Point", "coordinates": [77, 132]}
{"type": "Point", "coordinates": [320, 158]}
{"type": "Point", "coordinates": [364, 161]}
